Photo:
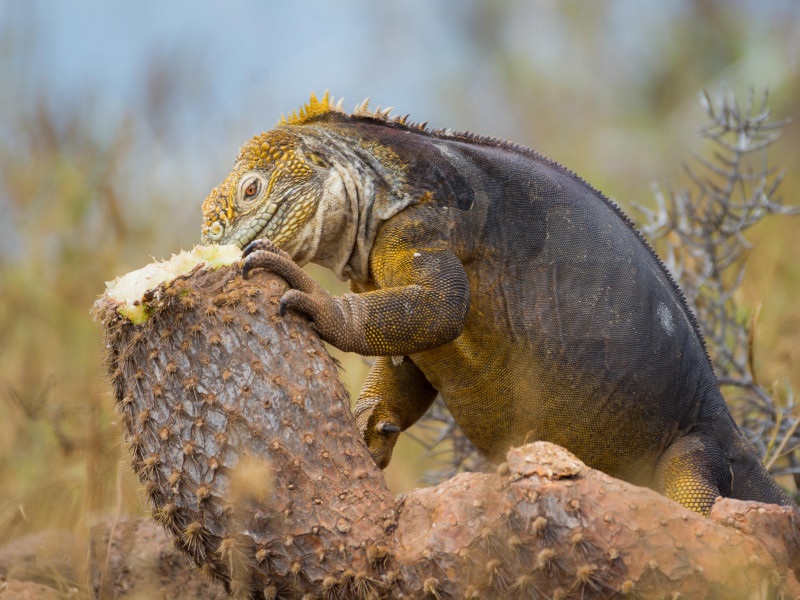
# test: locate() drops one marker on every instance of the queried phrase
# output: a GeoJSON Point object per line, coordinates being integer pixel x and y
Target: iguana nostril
{"type": "Point", "coordinates": [214, 231]}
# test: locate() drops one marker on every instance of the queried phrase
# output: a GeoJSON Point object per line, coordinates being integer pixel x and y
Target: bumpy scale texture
{"type": "Point", "coordinates": [485, 272]}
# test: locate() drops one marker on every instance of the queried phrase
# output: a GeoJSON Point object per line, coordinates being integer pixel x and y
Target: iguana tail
{"type": "Point", "coordinates": [750, 479]}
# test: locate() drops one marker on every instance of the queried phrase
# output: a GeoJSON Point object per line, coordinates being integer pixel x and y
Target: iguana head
{"type": "Point", "coordinates": [319, 186]}
{"type": "Point", "coordinates": [273, 190]}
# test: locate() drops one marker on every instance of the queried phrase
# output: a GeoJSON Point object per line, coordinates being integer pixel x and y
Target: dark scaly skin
{"type": "Point", "coordinates": [491, 275]}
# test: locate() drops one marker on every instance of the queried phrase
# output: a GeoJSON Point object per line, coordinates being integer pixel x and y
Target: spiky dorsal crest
{"type": "Point", "coordinates": [316, 107]}
{"type": "Point", "coordinates": [313, 108]}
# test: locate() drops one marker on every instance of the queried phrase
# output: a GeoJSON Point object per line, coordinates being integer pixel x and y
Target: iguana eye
{"type": "Point", "coordinates": [250, 189]}
{"type": "Point", "coordinates": [318, 160]}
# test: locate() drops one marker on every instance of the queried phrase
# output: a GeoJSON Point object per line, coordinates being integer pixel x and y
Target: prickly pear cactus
{"type": "Point", "coordinates": [214, 388]}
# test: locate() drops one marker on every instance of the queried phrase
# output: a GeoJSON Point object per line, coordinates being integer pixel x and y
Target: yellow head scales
{"type": "Point", "coordinates": [276, 157]}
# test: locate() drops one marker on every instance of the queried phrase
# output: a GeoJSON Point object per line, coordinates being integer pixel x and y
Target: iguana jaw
{"type": "Point", "coordinates": [219, 232]}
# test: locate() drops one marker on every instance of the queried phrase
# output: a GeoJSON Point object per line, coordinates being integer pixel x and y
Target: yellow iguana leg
{"type": "Point", "coordinates": [689, 473]}
{"type": "Point", "coordinates": [394, 396]}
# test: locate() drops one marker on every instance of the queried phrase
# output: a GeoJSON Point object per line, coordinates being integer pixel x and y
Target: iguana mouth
{"type": "Point", "coordinates": [264, 224]}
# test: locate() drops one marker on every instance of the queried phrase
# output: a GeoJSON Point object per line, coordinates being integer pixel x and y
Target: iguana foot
{"type": "Point", "coordinates": [687, 473]}
{"type": "Point", "coordinates": [380, 434]}
{"type": "Point", "coordinates": [330, 316]}
{"type": "Point", "coordinates": [264, 254]}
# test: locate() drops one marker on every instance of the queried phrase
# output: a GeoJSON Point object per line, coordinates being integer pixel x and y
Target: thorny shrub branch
{"type": "Point", "coordinates": [700, 232]}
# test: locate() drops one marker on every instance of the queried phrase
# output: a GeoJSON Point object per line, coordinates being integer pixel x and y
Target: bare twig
{"type": "Point", "coordinates": [701, 232]}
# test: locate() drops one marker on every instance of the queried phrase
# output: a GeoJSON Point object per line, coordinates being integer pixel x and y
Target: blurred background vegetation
{"type": "Point", "coordinates": [116, 121]}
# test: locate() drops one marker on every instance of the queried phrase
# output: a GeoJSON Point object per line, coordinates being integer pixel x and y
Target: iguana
{"type": "Point", "coordinates": [482, 271]}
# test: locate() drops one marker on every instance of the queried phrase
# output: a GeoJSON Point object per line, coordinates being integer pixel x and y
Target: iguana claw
{"type": "Point", "coordinates": [386, 427]}
{"type": "Point", "coordinates": [252, 259]}
{"type": "Point", "coordinates": [261, 244]}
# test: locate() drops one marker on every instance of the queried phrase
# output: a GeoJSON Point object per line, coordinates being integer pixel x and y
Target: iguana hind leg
{"type": "Point", "coordinates": [394, 396]}
{"type": "Point", "coordinates": [689, 473]}
{"type": "Point", "coordinates": [694, 471]}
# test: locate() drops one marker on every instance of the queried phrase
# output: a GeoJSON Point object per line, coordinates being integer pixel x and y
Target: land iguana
{"type": "Point", "coordinates": [482, 271]}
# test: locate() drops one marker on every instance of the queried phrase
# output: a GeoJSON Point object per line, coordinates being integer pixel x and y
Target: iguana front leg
{"type": "Point", "coordinates": [394, 396]}
{"type": "Point", "coordinates": [422, 302]}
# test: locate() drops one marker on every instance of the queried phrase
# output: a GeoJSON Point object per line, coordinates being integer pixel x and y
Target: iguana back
{"type": "Point", "coordinates": [491, 275]}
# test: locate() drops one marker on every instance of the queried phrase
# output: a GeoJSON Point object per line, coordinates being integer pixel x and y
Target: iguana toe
{"type": "Point", "coordinates": [262, 244]}
{"type": "Point", "coordinates": [279, 263]}
{"type": "Point", "coordinates": [256, 259]}
{"type": "Point", "coordinates": [386, 427]}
